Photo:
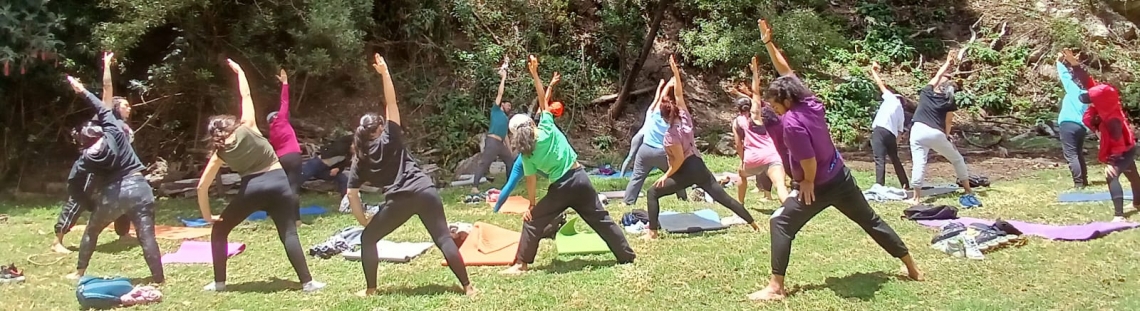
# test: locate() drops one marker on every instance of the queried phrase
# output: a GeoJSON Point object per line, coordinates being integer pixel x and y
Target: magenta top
{"type": "Point", "coordinates": [281, 134]}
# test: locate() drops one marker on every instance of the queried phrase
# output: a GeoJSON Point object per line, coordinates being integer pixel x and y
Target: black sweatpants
{"type": "Point", "coordinates": [131, 197]}
{"type": "Point", "coordinates": [885, 145]}
{"type": "Point", "coordinates": [493, 149]}
{"type": "Point", "coordinates": [291, 163]}
{"type": "Point", "coordinates": [1073, 147]}
{"type": "Point", "coordinates": [269, 192]}
{"type": "Point", "coordinates": [693, 172]}
{"type": "Point", "coordinates": [575, 191]}
{"type": "Point", "coordinates": [1124, 164]}
{"type": "Point", "coordinates": [396, 209]}
{"type": "Point", "coordinates": [843, 193]}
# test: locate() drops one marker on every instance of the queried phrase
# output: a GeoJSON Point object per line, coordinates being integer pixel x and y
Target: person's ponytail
{"type": "Point", "coordinates": [364, 134]}
{"type": "Point", "coordinates": [219, 128]}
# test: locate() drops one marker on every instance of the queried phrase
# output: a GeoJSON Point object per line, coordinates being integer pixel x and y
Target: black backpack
{"type": "Point", "coordinates": [927, 212]}
{"type": "Point", "coordinates": [979, 181]}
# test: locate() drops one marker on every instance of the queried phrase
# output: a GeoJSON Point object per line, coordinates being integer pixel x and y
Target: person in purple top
{"type": "Point", "coordinates": [823, 180]}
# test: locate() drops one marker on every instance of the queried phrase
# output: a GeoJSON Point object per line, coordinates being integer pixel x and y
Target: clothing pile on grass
{"type": "Point", "coordinates": [965, 241]}
{"type": "Point", "coordinates": [370, 209]}
{"type": "Point", "coordinates": [108, 293]}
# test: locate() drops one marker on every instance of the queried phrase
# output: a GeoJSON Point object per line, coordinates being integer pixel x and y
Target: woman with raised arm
{"type": "Point", "coordinates": [69, 212]}
{"type": "Point", "coordinates": [822, 177]}
{"type": "Point", "coordinates": [1117, 144]}
{"type": "Point", "coordinates": [544, 148]}
{"type": "Point", "coordinates": [493, 146]}
{"type": "Point", "coordinates": [648, 153]}
{"type": "Point", "coordinates": [117, 174]}
{"type": "Point", "coordinates": [284, 141]}
{"type": "Point", "coordinates": [758, 154]}
{"type": "Point", "coordinates": [264, 187]}
{"type": "Point", "coordinates": [685, 166]}
{"type": "Point", "coordinates": [1070, 122]}
{"type": "Point", "coordinates": [931, 131]}
{"type": "Point", "coordinates": [382, 159]}
{"type": "Point", "coordinates": [885, 130]}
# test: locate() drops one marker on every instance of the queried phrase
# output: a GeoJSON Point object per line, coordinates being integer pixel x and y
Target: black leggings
{"type": "Point", "coordinates": [269, 192]}
{"type": "Point", "coordinates": [396, 209]}
{"type": "Point", "coordinates": [291, 163]}
{"type": "Point", "coordinates": [1124, 164]}
{"type": "Point", "coordinates": [885, 146]}
{"type": "Point", "coordinates": [575, 191]}
{"type": "Point", "coordinates": [69, 214]}
{"type": "Point", "coordinates": [693, 172]}
{"type": "Point", "coordinates": [132, 197]}
{"type": "Point", "coordinates": [842, 192]}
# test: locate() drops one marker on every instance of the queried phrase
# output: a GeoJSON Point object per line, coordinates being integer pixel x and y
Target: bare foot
{"type": "Point", "coordinates": [299, 223]}
{"type": "Point", "coordinates": [73, 276]}
{"type": "Point", "coordinates": [470, 290]}
{"type": "Point", "coordinates": [514, 270]}
{"type": "Point", "coordinates": [649, 235]}
{"type": "Point", "coordinates": [911, 201]}
{"type": "Point", "coordinates": [59, 248]}
{"type": "Point", "coordinates": [366, 292]}
{"type": "Point", "coordinates": [768, 294]}
{"type": "Point", "coordinates": [915, 275]}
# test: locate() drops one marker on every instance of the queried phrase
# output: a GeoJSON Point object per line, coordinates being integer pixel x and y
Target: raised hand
{"type": "Point", "coordinates": [283, 77]}
{"type": "Point", "coordinates": [532, 64]}
{"type": "Point", "coordinates": [75, 84]}
{"type": "Point", "coordinates": [503, 67]}
{"type": "Point", "coordinates": [557, 78]}
{"type": "Point", "coordinates": [765, 31]}
{"type": "Point", "coordinates": [108, 57]}
{"type": "Point", "coordinates": [379, 64]}
{"type": "Point", "coordinates": [754, 65]}
{"type": "Point", "coordinates": [673, 64]}
{"type": "Point", "coordinates": [234, 66]}
{"type": "Point", "coordinates": [1069, 57]}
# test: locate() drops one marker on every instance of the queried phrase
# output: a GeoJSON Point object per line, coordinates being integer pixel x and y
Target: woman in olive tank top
{"type": "Point", "coordinates": [264, 187]}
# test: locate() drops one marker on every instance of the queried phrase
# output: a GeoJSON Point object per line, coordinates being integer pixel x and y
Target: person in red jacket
{"type": "Point", "coordinates": [1117, 144]}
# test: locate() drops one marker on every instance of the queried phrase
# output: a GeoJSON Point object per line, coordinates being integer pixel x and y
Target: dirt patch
{"type": "Point", "coordinates": [1016, 164]}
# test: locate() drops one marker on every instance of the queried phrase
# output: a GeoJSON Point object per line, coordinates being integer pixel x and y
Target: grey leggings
{"type": "Point", "coordinates": [69, 213]}
{"type": "Point", "coordinates": [394, 212]}
{"type": "Point", "coordinates": [646, 160]}
{"type": "Point", "coordinates": [131, 196]}
{"type": "Point", "coordinates": [842, 192]}
{"type": "Point", "coordinates": [493, 149]}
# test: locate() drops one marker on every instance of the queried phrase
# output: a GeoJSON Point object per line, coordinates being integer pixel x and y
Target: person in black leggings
{"type": "Point", "coordinates": [822, 179]}
{"type": "Point", "coordinates": [686, 168]}
{"type": "Point", "coordinates": [284, 140]}
{"type": "Point", "coordinates": [116, 172]}
{"type": "Point", "coordinates": [264, 186]}
{"type": "Point", "coordinates": [383, 160]}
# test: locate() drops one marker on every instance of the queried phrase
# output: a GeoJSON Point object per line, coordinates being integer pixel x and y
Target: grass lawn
{"type": "Point", "coordinates": [834, 265]}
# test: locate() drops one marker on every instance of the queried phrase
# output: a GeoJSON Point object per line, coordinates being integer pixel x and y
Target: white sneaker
{"type": "Point", "coordinates": [215, 287]}
{"type": "Point", "coordinates": [312, 286]}
{"type": "Point", "coordinates": [1119, 219]}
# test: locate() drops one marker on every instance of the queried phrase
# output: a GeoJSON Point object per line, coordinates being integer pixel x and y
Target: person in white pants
{"type": "Point", "coordinates": [932, 121]}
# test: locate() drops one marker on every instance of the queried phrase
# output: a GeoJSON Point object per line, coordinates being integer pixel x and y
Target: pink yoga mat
{"type": "Point", "coordinates": [1083, 232]}
{"type": "Point", "coordinates": [199, 252]}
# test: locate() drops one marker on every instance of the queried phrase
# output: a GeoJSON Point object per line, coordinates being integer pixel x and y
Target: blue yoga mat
{"type": "Point", "coordinates": [628, 174]}
{"type": "Point", "coordinates": [259, 215]}
{"type": "Point", "coordinates": [1089, 197]}
{"type": "Point", "coordinates": [698, 221]}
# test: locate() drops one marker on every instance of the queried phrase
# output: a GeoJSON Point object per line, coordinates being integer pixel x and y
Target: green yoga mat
{"type": "Point", "coordinates": [569, 241]}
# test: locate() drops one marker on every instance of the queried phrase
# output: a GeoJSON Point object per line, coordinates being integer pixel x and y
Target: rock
{"type": "Point", "coordinates": [726, 146]}
{"type": "Point", "coordinates": [1117, 24]}
{"type": "Point", "coordinates": [467, 166]}
{"type": "Point", "coordinates": [1094, 28]}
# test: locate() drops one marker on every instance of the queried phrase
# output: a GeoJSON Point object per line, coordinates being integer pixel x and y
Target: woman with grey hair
{"type": "Point", "coordinates": [544, 148]}
{"type": "Point", "coordinates": [931, 131]}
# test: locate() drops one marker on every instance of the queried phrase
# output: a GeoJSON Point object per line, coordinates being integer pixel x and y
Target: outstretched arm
{"type": "Point", "coordinates": [1078, 70]}
{"type": "Point", "coordinates": [502, 80]}
{"type": "Point", "coordinates": [357, 206]}
{"type": "Point", "coordinates": [757, 96]}
{"type": "Point", "coordinates": [248, 114]}
{"type": "Point", "coordinates": [938, 77]}
{"type": "Point", "coordinates": [108, 88]}
{"type": "Point", "coordinates": [101, 112]}
{"type": "Point", "coordinates": [540, 93]}
{"type": "Point", "coordinates": [550, 90]}
{"type": "Point", "coordinates": [391, 109]}
{"type": "Point", "coordinates": [283, 110]}
{"type": "Point", "coordinates": [678, 86]}
{"type": "Point", "coordinates": [777, 57]}
{"type": "Point", "coordinates": [516, 174]}
{"type": "Point", "coordinates": [878, 80]}
{"type": "Point", "coordinates": [204, 183]}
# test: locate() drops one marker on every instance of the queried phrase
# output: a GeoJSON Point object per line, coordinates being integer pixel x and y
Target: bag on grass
{"type": "Point", "coordinates": [552, 229]}
{"type": "Point", "coordinates": [102, 293]}
{"type": "Point", "coordinates": [927, 212]}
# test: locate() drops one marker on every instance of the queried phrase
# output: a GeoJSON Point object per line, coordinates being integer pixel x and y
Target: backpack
{"type": "Point", "coordinates": [927, 212]}
{"type": "Point", "coordinates": [102, 293]}
{"type": "Point", "coordinates": [633, 217]}
{"type": "Point", "coordinates": [552, 229]}
{"type": "Point", "coordinates": [979, 181]}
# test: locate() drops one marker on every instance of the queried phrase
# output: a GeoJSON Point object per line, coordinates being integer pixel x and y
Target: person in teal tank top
{"type": "Point", "coordinates": [1069, 123]}
{"type": "Point", "coordinates": [544, 149]}
{"type": "Point", "coordinates": [493, 146]}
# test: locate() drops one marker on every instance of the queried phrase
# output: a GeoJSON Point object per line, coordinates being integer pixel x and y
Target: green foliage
{"type": "Point", "coordinates": [26, 33]}
{"type": "Point", "coordinates": [724, 34]}
{"type": "Point", "coordinates": [994, 86]}
{"type": "Point", "coordinates": [1066, 33]}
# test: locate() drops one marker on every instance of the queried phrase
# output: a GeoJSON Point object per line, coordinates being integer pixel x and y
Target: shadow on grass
{"type": "Point", "coordinates": [266, 287]}
{"type": "Point", "coordinates": [862, 286]}
{"type": "Point", "coordinates": [422, 290]}
{"type": "Point", "coordinates": [117, 245]}
{"type": "Point", "coordinates": [559, 266]}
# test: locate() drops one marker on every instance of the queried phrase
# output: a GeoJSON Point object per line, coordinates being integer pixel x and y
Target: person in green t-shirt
{"type": "Point", "coordinates": [544, 148]}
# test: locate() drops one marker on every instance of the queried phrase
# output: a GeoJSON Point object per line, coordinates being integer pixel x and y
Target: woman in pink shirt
{"type": "Point", "coordinates": [758, 155]}
{"type": "Point", "coordinates": [284, 140]}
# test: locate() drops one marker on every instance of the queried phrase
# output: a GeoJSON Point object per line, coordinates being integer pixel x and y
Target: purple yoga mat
{"type": "Point", "coordinates": [199, 252]}
{"type": "Point", "coordinates": [1083, 232]}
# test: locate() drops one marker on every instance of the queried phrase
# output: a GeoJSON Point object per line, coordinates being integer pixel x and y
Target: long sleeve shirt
{"type": "Point", "coordinates": [281, 134]}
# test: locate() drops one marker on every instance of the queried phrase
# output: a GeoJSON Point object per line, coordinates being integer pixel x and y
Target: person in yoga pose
{"type": "Point", "coordinates": [265, 186]}
{"type": "Point", "coordinates": [69, 213]}
{"type": "Point", "coordinates": [1070, 122]}
{"type": "Point", "coordinates": [116, 172]}
{"type": "Point", "coordinates": [821, 176]}
{"type": "Point", "coordinates": [493, 146]}
{"type": "Point", "coordinates": [686, 167]}
{"type": "Point", "coordinates": [382, 159]}
{"type": "Point", "coordinates": [544, 148]}
{"type": "Point", "coordinates": [284, 140]}
{"type": "Point", "coordinates": [931, 131]}
{"type": "Point", "coordinates": [886, 128]}
{"type": "Point", "coordinates": [1117, 143]}
{"type": "Point", "coordinates": [647, 150]}
{"type": "Point", "coordinates": [758, 154]}
{"type": "Point", "coordinates": [334, 158]}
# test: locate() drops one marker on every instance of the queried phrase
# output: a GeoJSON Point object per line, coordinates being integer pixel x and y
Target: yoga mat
{"type": "Point", "coordinates": [199, 252]}
{"type": "Point", "coordinates": [1072, 197]}
{"type": "Point", "coordinates": [934, 191]}
{"type": "Point", "coordinates": [393, 251]}
{"type": "Point", "coordinates": [570, 241]}
{"type": "Point", "coordinates": [489, 245]}
{"type": "Point", "coordinates": [258, 215]}
{"type": "Point", "coordinates": [162, 232]}
{"type": "Point", "coordinates": [1083, 232]}
{"type": "Point", "coordinates": [614, 194]}
{"type": "Point", "coordinates": [628, 174]}
{"type": "Point", "coordinates": [514, 205]}
{"type": "Point", "coordinates": [699, 221]}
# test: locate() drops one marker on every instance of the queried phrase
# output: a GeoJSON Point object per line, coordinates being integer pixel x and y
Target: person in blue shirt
{"type": "Point", "coordinates": [1071, 130]}
{"type": "Point", "coordinates": [493, 146]}
{"type": "Point", "coordinates": [647, 150]}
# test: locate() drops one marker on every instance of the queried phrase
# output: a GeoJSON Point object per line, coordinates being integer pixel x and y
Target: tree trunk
{"type": "Point", "coordinates": [634, 70]}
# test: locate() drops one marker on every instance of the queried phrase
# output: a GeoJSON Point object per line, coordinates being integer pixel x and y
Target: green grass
{"type": "Point", "coordinates": [834, 265]}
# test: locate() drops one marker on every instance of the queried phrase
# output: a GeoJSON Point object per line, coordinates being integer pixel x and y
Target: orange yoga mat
{"type": "Point", "coordinates": [514, 205]}
{"type": "Point", "coordinates": [161, 232]}
{"type": "Point", "coordinates": [489, 245]}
